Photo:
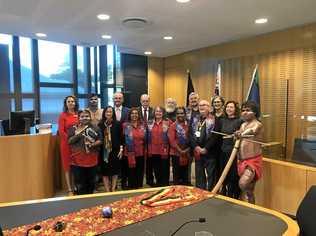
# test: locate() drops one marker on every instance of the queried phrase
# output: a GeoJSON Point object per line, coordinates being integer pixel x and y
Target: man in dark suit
{"type": "Point", "coordinates": [203, 142]}
{"type": "Point", "coordinates": [121, 112]}
{"type": "Point", "coordinates": [145, 111]}
{"type": "Point", "coordinates": [146, 114]}
{"type": "Point", "coordinates": [121, 115]}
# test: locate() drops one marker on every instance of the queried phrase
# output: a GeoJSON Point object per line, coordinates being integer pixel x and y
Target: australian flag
{"type": "Point", "coordinates": [254, 91]}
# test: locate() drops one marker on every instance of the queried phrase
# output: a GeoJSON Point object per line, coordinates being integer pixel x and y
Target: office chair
{"type": "Point", "coordinates": [306, 213]}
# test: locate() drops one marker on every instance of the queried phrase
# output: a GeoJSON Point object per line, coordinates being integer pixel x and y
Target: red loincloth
{"type": "Point", "coordinates": [255, 163]}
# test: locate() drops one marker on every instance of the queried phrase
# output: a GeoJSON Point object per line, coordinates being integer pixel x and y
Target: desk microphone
{"type": "Point", "coordinates": [200, 220]}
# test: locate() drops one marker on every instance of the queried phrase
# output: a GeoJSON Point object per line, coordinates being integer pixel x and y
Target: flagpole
{"type": "Point", "coordinates": [252, 80]}
{"type": "Point", "coordinates": [218, 83]}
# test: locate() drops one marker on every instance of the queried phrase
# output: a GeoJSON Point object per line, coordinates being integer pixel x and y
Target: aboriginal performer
{"type": "Point", "coordinates": [250, 153]}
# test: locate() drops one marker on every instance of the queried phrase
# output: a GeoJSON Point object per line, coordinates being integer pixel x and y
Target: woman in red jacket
{"type": "Point", "coordinates": [67, 119]}
{"type": "Point", "coordinates": [134, 150]}
{"type": "Point", "coordinates": [158, 147]}
{"type": "Point", "coordinates": [179, 147]}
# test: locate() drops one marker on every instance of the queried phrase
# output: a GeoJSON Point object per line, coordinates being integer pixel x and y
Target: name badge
{"type": "Point", "coordinates": [197, 134]}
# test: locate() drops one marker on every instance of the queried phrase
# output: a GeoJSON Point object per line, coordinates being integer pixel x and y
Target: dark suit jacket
{"type": "Point", "coordinates": [150, 113]}
{"type": "Point", "coordinates": [210, 142]}
{"type": "Point", "coordinates": [124, 114]}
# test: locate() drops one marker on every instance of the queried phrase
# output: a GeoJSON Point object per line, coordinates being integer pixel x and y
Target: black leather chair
{"type": "Point", "coordinates": [6, 127]}
{"type": "Point", "coordinates": [306, 213]}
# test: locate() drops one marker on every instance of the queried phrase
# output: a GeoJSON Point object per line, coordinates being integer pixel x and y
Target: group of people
{"type": "Point", "coordinates": [146, 143]}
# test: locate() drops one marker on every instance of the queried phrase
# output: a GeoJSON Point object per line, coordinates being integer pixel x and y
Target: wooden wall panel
{"type": "Point", "coordinates": [311, 179]}
{"type": "Point", "coordinates": [284, 185]}
{"type": "Point", "coordinates": [285, 58]}
{"type": "Point", "coordinates": [309, 87]}
{"type": "Point", "coordinates": [281, 188]}
{"type": "Point", "coordinates": [156, 81]}
{"type": "Point", "coordinates": [175, 85]}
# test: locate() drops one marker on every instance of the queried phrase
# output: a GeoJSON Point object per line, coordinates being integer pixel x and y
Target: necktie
{"type": "Point", "coordinates": [118, 114]}
{"type": "Point", "coordinates": [145, 115]}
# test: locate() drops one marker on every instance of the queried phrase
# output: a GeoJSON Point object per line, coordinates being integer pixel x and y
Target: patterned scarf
{"type": "Point", "coordinates": [209, 123]}
{"type": "Point", "coordinates": [107, 143]}
{"type": "Point", "coordinates": [181, 133]}
{"type": "Point", "coordinates": [182, 137]}
{"type": "Point", "coordinates": [129, 142]}
{"type": "Point", "coordinates": [209, 127]}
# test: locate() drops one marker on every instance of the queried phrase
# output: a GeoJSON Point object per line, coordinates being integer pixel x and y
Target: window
{"type": "Point", "coordinates": [119, 72]}
{"type": "Point", "coordinates": [98, 72]}
{"type": "Point", "coordinates": [82, 78]}
{"type": "Point", "coordinates": [93, 85]}
{"type": "Point", "coordinates": [51, 102]}
{"type": "Point", "coordinates": [109, 93]}
{"type": "Point", "coordinates": [27, 104]}
{"type": "Point", "coordinates": [110, 64]}
{"type": "Point", "coordinates": [54, 62]}
{"type": "Point", "coordinates": [26, 65]}
{"type": "Point", "coordinates": [83, 103]}
{"type": "Point", "coordinates": [7, 40]}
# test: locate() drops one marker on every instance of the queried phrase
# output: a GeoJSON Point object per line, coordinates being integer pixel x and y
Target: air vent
{"type": "Point", "coordinates": [135, 22]}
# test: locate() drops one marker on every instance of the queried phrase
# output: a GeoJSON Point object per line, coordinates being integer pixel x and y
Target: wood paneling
{"type": "Point", "coordinates": [284, 185]}
{"type": "Point", "coordinates": [281, 188]}
{"type": "Point", "coordinates": [26, 167]}
{"type": "Point", "coordinates": [156, 81]}
{"type": "Point", "coordinates": [311, 179]}
{"type": "Point", "coordinates": [284, 58]}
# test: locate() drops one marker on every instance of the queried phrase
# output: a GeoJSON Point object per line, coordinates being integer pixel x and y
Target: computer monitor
{"type": "Point", "coordinates": [21, 121]}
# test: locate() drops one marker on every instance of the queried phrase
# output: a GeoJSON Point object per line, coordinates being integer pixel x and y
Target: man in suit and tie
{"type": "Point", "coordinates": [121, 112]}
{"type": "Point", "coordinates": [146, 113]}
{"type": "Point", "coordinates": [121, 115]}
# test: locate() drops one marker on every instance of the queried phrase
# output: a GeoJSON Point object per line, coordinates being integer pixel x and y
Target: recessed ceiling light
{"type": "Point", "coordinates": [183, 1]}
{"type": "Point", "coordinates": [103, 17]}
{"type": "Point", "coordinates": [261, 21]}
{"type": "Point", "coordinates": [168, 37]}
{"type": "Point", "coordinates": [147, 53]}
{"type": "Point", "coordinates": [105, 36]}
{"type": "Point", "coordinates": [41, 35]}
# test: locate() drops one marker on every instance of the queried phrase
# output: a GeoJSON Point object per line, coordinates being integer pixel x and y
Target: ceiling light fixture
{"type": "Point", "coordinates": [261, 21]}
{"type": "Point", "coordinates": [41, 35]}
{"type": "Point", "coordinates": [168, 37]}
{"type": "Point", "coordinates": [103, 17]}
{"type": "Point", "coordinates": [183, 1]}
{"type": "Point", "coordinates": [147, 53]}
{"type": "Point", "coordinates": [106, 36]}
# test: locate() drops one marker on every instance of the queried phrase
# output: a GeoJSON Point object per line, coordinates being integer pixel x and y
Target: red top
{"type": "Point", "coordinates": [65, 121]}
{"type": "Point", "coordinates": [84, 159]}
{"type": "Point", "coordinates": [79, 154]}
{"type": "Point", "coordinates": [173, 138]}
{"type": "Point", "coordinates": [138, 136]}
{"type": "Point", "coordinates": [158, 144]}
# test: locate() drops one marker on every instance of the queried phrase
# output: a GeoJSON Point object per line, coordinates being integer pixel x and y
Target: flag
{"type": "Point", "coordinates": [217, 91]}
{"type": "Point", "coordinates": [190, 88]}
{"type": "Point", "coordinates": [254, 91]}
